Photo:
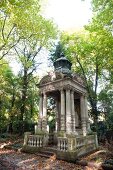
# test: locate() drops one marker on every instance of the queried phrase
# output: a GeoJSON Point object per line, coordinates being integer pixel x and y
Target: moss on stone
{"type": "Point", "coordinates": [29, 149]}
{"type": "Point", "coordinates": [41, 132]}
{"type": "Point", "coordinates": [61, 134]}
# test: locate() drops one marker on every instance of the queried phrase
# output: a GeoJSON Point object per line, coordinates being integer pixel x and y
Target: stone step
{"type": "Point", "coordinates": [46, 154]}
{"type": "Point", "coordinates": [43, 155]}
{"type": "Point", "coordinates": [50, 149]}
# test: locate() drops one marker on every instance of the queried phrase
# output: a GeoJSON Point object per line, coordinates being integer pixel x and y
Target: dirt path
{"type": "Point", "coordinates": [23, 161]}
{"type": "Point", "coordinates": [2, 167]}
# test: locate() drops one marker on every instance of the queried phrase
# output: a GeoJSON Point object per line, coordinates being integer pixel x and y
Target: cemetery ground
{"type": "Point", "coordinates": [12, 158]}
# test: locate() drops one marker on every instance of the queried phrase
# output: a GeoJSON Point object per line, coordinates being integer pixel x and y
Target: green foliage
{"type": "Point", "coordinates": [23, 20]}
{"type": "Point", "coordinates": [110, 120]}
{"type": "Point", "coordinates": [28, 126]}
{"type": "Point", "coordinates": [90, 51]}
{"type": "Point", "coordinates": [22, 30]}
{"type": "Point", "coordinates": [106, 98]}
{"type": "Point", "coordinates": [102, 26]}
{"type": "Point", "coordinates": [10, 101]}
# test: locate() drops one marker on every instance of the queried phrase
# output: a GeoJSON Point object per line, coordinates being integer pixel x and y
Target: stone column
{"type": "Point", "coordinates": [44, 121]}
{"type": "Point", "coordinates": [87, 117]}
{"type": "Point", "coordinates": [83, 115]}
{"type": "Point", "coordinates": [57, 117]}
{"type": "Point", "coordinates": [40, 112]}
{"type": "Point", "coordinates": [62, 118]}
{"type": "Point", "coordinates": [73, 113]}
{"type": "Point", "coordinates": [68, 112]}
{"type": "Point", "coordinates": [86, 110]}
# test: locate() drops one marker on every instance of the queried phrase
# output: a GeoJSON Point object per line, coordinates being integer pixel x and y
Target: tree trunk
{"type": "Point", "coordinates": [23, 100]}
{"type": "Point", "coordinates": [92, 100]}
{"type": "Point", "coordinates": [10, 125]}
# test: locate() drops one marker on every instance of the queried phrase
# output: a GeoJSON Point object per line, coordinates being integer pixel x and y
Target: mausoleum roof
{"type": "Point", "coordinates": [54, 76]}
{"type": "Point", "coordinates": [62, 77]}
{"type": "Point", "coordinates": [63, 65]}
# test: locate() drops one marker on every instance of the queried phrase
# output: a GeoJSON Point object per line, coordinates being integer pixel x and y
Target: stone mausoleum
{"type": "Point", "coordinates": [72, 136]}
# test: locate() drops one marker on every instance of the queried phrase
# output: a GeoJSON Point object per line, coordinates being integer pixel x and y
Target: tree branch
{"type": "Point", "coordinates": [85, 78]}
{"type": "Point", "coordinates": [2, 46]}
{"type": "Point", "coordinates": [3, 28]}
{"type": "Point", "coordinates": [39, 49]}
{"type": "Point", "coordinates": [10, 49]}
{"type": "Point", "coordinates": [34, 69]}
{"type": "Point", "coordinates": [17, 52]}
{"type": "Point", "coordinates": [96, 76]}
{"type": "Point", "coordinates": [10, 31]}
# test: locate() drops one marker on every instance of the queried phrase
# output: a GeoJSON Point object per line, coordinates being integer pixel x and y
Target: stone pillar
{"type": "Point", "coordinates": [83, 115]}
{"type": "Point", "coordinates": [40, 112]}
{"type": "Point", "coordinates": [68, 112]}
{"type": "Point", "coordinates": [87, 117]}
{"type": "Point", "coordinates": [57, 116]}
{"type": "Point", "coordinates": [26, 134]}
{"type": "Point", "coordinates": [44, 121]}
{"type": "Point", "coordinates": [86, 110]}
{"type": "Point", "coordinates": [73, 113]}
{"type": "Point", "coordinates": [62, 118]}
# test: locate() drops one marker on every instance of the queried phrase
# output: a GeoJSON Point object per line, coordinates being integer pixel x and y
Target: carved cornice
{"type": "Point", "coordinates": [54, 76]}
{"type": "Point", "coordinates": [65, 83]}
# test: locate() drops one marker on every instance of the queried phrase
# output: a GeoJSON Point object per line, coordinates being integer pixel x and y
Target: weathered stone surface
{"type": "Point", "coordinates": [72, 126]}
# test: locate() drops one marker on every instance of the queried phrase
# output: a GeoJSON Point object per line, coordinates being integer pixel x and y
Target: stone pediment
{"type": "Point", "coordinates": [61, 81]}
{"type": "Point", "coordinates": [51, 77]}
{"type": "Point", "coordinates": [77, 78]}
{"type": "Point", "coordinates": [57, 76]}
{"type": "Point", "coordinates": [45, 79]}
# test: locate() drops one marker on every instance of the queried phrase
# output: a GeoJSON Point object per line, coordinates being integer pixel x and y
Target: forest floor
{"type": "Point", "coordinates": [14, 159]}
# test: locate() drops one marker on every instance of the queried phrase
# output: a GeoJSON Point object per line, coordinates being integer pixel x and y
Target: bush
{"type": "Point", "coordinates": [27, 126]}
{"type": "Point", "coordinates": [100, 129]}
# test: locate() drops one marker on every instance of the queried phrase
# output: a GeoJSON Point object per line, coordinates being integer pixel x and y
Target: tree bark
{"type": "Point", "coordinates": [23, 100]}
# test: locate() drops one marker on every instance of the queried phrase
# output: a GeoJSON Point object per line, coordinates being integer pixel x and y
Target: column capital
{"type": "Point", "coordinates": [44, 96]}
{"type": "Point", "coordinates": [67, 87]}
{"type": "Point", "coordinates": [82, 95]}
{"type": "Point", "coordinates": [44, 93]}
{"type": "Point", "coordinates": [61, 89]}
{"type": "Point", "coordinates": [72, 91]}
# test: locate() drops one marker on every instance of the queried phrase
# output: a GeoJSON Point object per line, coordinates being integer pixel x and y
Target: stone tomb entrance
{"type": "Point", "coordinates": [59, 99]}
{"type": "Point", "coordinates": [72, 130]}
{"type": "Point", "coordinates": [68, 109]}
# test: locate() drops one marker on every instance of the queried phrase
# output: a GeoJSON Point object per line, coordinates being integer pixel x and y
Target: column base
{"type": "Point", "coordinates": [61, 134]}
{"type": "Point", "coordinates": [75, 133]}
{"type": "Point", "coordinates": [84, 128]}
{"type": "Point", "coordinates": [44, 124]}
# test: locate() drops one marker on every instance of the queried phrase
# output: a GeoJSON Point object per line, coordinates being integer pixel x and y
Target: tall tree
{"type": "Point", "coordinates": [90, 60]}
{"type": "Point", "coordinates": [28, 52]}
{"type": "Point", "coordinates": [7, 93]}
{"type": "Point", "coordinates": [18, 20]}
{"type": "Point", "coordinates": [26, 32]}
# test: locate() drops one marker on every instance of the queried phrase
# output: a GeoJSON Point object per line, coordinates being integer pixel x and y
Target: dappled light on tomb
{"type": "Point", "coordinates": [71, 133]}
